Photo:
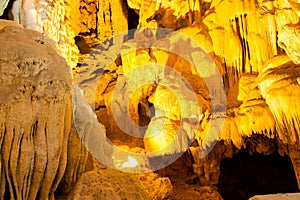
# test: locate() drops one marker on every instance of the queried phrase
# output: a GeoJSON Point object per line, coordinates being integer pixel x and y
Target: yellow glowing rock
{"type": "Point", "coordinates": [235, 136]}
{"type": "Point", "coordinates": [164, 137]}
{"type": "Point", "coordinates": [111, 19]}
{"type": "Point", "coordinates": [170, 12]}
{"type": "Point", "coordinates": [280, 88]}
{"type": "Point", "coordinates": [248, 88]}
{"type": "Point", "coordinates": [200, 35]}
{"type": "Point", "coordinates": [166, 103]}
{"type": "Point", "coordinates": [255, 117]}
{"type": "Point", "coordinates": [288, 39]}
{"type": "Point", "coordinates": [240, 36]}
{"type": "Point", "coordinates": [58, 24]}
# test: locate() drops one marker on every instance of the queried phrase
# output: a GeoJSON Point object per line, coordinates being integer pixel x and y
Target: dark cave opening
{"type": "Point", "coordinates": [245, 175]}
{"type": "Point", "coordinates": [133, 22]}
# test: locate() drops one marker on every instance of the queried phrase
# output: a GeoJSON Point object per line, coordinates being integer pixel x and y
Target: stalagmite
{"type": "Point", "coordinates": [36, 114]}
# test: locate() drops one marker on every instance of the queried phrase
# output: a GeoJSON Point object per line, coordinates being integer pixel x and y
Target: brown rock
{"type": "Point", "coordinates": [107, 184]}
{"type": "Point", "coordinates": [35, 103]}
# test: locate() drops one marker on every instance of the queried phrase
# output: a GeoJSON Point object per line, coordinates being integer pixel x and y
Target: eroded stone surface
{"type": "Point", "coordinates": [36, 114]}
{"type": "Point", "coordinates": [108, 184]}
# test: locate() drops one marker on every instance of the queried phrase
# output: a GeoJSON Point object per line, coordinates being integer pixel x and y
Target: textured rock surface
{"type": "Point", "coordinates": [255, 47]}
{"type": "Point", "coordinates": [107, 184]}
{"type": "Point", "coordinates": [36, 115]}
{"type": "Point", "coordinates": [279, 86]}
{"type": "Point", "coordinates": [56, 19]}
{"type": "Point", "coordinates": [102, 19]}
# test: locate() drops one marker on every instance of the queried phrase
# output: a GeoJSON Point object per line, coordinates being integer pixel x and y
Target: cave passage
{"type": "Point", "coordinates": [245, 175]}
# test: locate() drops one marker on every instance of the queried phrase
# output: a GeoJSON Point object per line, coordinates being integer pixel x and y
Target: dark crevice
{"type": "Point", "coordinates": [97, 20]}
{"type": "Point", "coordinates": [133, 22]}
{"type": "Point", "coordinates": [240, 23]}
{"type": "Point", "coordinates": [245, 175]}
{"type": "Point", "coordinates": [6, 193]}
{"type": "Point", "coordinates": [110, 13]}
{"type": "Point", "coordinates": [146, 112]}
{"type": "Point", "coordinates": [82, 45]}
{"type": "Point", "coordinates": [34, 129]}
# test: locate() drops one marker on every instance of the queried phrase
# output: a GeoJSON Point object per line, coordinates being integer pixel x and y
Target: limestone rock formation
{"type": "Point", "coordinates": [55, 19]}
{"type": "Point", "coordinates": [36, 115]}
{"type": "Point", "coordinates": [102, 19]}
{"type": "Point", "coordinates": [254, 45]}
{"type": "Point", "coordinates": [279, 86]}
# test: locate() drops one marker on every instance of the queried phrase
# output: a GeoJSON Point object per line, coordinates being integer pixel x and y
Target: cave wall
{"type": "Point", "coordinates": [255, 45]}
{"type": "Point", "coordinates": [250, 43]}
{"type": "Point", "coordinates": [102, 19]}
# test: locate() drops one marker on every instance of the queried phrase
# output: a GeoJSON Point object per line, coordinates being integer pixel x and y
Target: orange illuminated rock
{"type": "Point", "coordinates": [164, 136]}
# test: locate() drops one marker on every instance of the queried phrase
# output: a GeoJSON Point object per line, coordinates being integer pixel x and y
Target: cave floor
{"type": "Point", "coordinates": [186, 184]}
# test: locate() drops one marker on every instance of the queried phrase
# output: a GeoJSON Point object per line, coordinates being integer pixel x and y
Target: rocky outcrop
{"type": "Point", "coordinates": [36, 115]}
{"type": "Point", "coordinates": [107, 184]}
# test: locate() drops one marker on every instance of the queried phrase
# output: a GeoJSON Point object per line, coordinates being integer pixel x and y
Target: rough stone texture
{"type": "Point", "coordinates": [280, 87]}
{"type": "Point", "coordinates": [79, 161]}
{"type": "Point", "coordinates": [108, 184]}
{"type": "Point", "coordinates": [56, 19]}
{"type": "Point", "coordinates": [36, 114]}
{"type": "Point", "coordinates": [287, 19]}
{"type": "Point", "coordinates": [100, 19]}
{"type": "Point", "coordinates": [258, 63]}
{"type": "Point", "coordinates": [155, 186]}
{"type": "Point", "coordinates": [105, 183]}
